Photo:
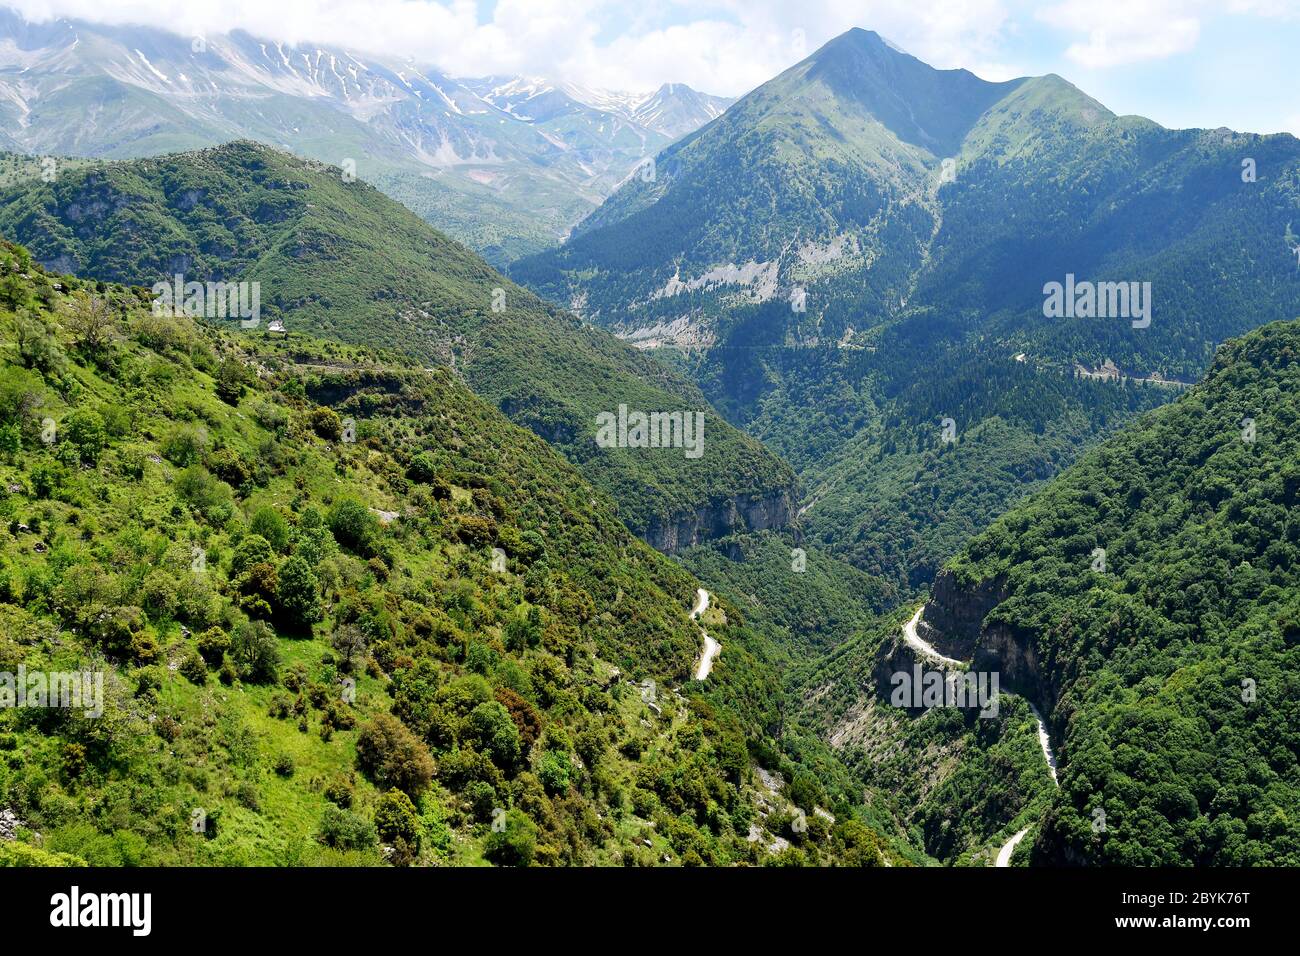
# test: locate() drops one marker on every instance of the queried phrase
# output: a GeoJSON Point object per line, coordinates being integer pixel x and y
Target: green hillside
{"type": "Point", "coordinates": [347, 613]}
{"type": "Point", "coordinates": [880, 268]}
{"type": "Point", "coordinates": [339, 259]}
{"type": "Point", "coordinates": [802, 599]}
{"type": "Point", "coordinates": [1165, 662]}
{"type": "Point", "coordinates": [1171, 676]}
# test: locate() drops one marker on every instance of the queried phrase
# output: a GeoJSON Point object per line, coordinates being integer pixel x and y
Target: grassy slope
{"type": "Point", "coordinates": [341, 260]}
{"type": "Point", "coordinates": [112, 510]}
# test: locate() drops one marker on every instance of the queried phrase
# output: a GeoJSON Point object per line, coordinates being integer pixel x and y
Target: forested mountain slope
{"type": "Point", "coordinates": [337, 258]}
{"type": "Point", "coordinates": [1147, 601]}
{"type": "Point", "coordinates": [504, 164]}
{"type": "Point", "coordinates": [880, 268]}
{"type": "Point", "coordinates": [347, 613]}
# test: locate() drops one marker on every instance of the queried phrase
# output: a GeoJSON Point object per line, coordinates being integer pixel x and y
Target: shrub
{"type": "Point", "coordinates": [325, 422]}
{"type": "Point", "coordinates": [255, 653]}
{"type": "Point", "coordinates": [422, 469]}
{"type": "Point", "coordinates": [270, 524]}
{"type": "Point", "coordinates": [524, 716]}
{"type": "Point", "coordinates": [48, 479]}
{"type": "Point", "coordinates": [251, 551]}
{"type": "Point", "coordinates": [299, 592]}
{"type": "Point", "coordinates": [230, 467]}
{"type": "Point", "coordinates": [354, 526]}
{"type": "Point", "coordinates": [339, 792]}
{"type": "Point", "coordinates": [213, 644]}
{"type": "Point", "coordinates": [158, 594]}
{"type": "Point", "coordinates": [496, 734]}
{"type": "Point", "coordinates": [211, 498]}
{"type": "Point", "coordinates": [344, 830]}
{"type": "Point", "coordinates": [85, 429]}
{"type": "Point", "coordinates": [393, 756]}
{"type": "Point", "coordinates": [232, 377]}
{"type": "Point", "coordinates": [515, 844]}
{"type": "Point", "coordinates": [554, 770]}
{"type": "Point", "coordinates": [482, 799]}
{"type": "Point", "coordinates": [398, 825]}
{"type": "Point", "coordinates": [193, 669]}
{"type": "Point", "coordinates": [185, 445]}
{"type": "Point", "coordinates": [246, 795]}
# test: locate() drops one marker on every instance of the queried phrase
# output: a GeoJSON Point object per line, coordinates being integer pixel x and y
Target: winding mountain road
{"type": "Point", "coordinates": [711, 648]}
{"type": "Point", "coordinates": [923, 647]}
{"type": "Point", "coordinates": [1004, 854]}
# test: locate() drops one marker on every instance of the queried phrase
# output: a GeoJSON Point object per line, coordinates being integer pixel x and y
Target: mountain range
{"type": "Point", "coordinates": [506, 164]}
{"type": "Point", "coordinates": [991, 380]}
{"type": "Point", "coordinates": [881, 269]}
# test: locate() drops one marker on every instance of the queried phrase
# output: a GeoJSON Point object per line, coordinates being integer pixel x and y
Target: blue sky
{"type": "Point", "coordinates": [1181, 62]}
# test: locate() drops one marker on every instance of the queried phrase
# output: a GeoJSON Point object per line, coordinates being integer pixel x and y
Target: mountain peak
{"type": "Point", "coordinates": [930, 108]}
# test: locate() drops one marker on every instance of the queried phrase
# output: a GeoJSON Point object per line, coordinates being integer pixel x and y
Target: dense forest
{"type": "Point", "coordinates": [336, 258]}
{"type": "Point", "coordinates": [1154, 585]}
{"type": "Point", "coordinates": [347, 613]}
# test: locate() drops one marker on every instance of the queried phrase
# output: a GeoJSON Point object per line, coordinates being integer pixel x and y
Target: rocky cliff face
{"type": "Point", "coordinates": [953, 621]}
{"type": "Point", "coordinates": [720, 518]}
{"type": "Point", "coordinates": [954, 616]}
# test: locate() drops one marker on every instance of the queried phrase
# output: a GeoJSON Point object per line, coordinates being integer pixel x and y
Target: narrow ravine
{"type": "Point", "coordinates": [711, 648]}
{"type": "Point", "coordinates": [923, 647]}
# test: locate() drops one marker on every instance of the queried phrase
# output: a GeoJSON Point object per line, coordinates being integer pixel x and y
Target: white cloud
{"type": "Point", "coordinates": [1118, 32]}
{"type": "Point", "coordinates": [633, 44]}
{"type": "Point", "coordinates": [1126, 31]}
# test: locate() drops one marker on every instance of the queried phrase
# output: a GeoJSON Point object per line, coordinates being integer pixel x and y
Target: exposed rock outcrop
{"type": "Point", "coordinates": [953, 622]}
{"type": "Point", "coordinates": [720, 518]}
{"type": "Point", "coordinates": [954, 617]}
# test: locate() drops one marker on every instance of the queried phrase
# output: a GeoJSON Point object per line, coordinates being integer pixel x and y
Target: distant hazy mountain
{"type": "Point", "coordinates": [673, 110]}
{"type": "Point", "coordinates": [505, 164]}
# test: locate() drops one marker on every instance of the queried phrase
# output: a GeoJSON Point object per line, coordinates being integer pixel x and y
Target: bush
{"type": "Point", "coordinates": [270, 524]}
{"type": "Point", "coordinates": [211, 498]}
{"type": "Point", "coordinates": [213, 644]}
{"type": "Point", "coordinates": [482, 799]}
{"type": "Point", "coordinates": [13, 853]}
{"type": "Point", "coordinates": [354, 526]}
{"type": "Point", "coordinates": [158, 594]}
{"type": "Point", "coordinates": [48, 479]}
{"type": "Point", "coordinates": [325, 422]}
{"type": "Point", "coordinates": [230, 467]}
{"type": "Point", "coordinates": [339, 792]}
{"type": "Point", "coordinates": [193, 669]}
{"type": "Point", "coordinates": [398, 826]}
{"type": "Point", "coordinates": [516, 844]}
{"type": "Point", "coordinates": [496, 734]}
{"type": "Point", "coordinates": [232, 377]}
{"type": "Point", "coordinates": [422, 469]}
{"type": "Point", "coordinates": [392, 756]}
{"type": "Point", "coordinates": [299, 592]}
{"type": "Point", "coordinates": [344, 830]}
{"type": "Point", "coordinates": [255, 653]}
{"type": "Point", "coordinates": [554, 771]}
{"type": "Point", "coordinates": [251, 551]}
{"type": "Point", "coordinates": [185, 445]}
{"type": "Point", "coordinates": [523, 714]}
{"type": "Point", "coordinates": [85, 429]}
{"type": "Point", "coordinates": [284, 765]}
